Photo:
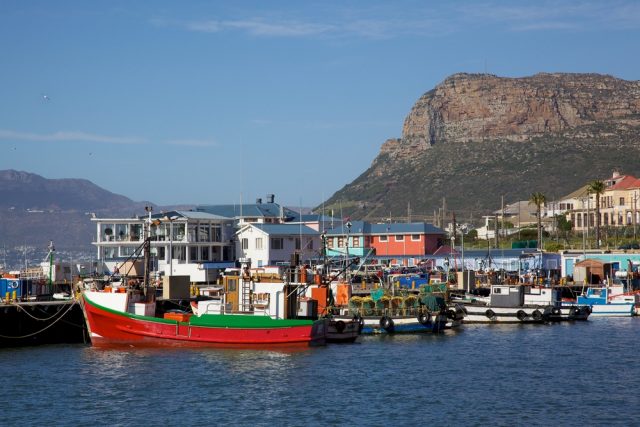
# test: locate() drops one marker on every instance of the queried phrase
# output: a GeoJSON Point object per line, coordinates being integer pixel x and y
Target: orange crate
{"type": "Point", "coordinates": [180, 317]}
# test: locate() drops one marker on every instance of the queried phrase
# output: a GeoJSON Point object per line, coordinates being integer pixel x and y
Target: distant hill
{"type": "Point", "coordinates": [35, 210]}
{"type": "Point", "coordinates": [476, 137]}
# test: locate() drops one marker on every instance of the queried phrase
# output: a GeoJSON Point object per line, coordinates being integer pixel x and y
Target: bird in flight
{"type": "Point", "coordinates": [45, 98]}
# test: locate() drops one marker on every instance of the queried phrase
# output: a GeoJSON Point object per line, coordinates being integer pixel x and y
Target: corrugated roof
{"type": "Point", "coordinates": [362, 227]}
{"type": "Point", "coordinates": [286, 229]}
{"type": "Point", "coordinates": [252, 210]}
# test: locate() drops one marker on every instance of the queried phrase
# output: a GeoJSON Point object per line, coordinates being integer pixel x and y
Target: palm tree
{"type": "Point", "coordinates": [597, 187]}
{"type": "Point", "coordinates": [538, 199]}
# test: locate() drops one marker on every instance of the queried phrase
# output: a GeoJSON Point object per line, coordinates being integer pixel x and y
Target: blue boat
{"type": "Point", "coordinates": [609, 301]}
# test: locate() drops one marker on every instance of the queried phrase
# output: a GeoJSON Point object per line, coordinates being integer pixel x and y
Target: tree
{"type": "Point", "coordinates": [538, 199]}
{"type": "Point", "coordinates": [597, 187]}
{"type": "Point", "coordinates": [564, 227]}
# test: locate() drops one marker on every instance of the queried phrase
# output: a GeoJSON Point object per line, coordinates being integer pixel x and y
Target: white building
{"type": "Point", "coordinates": [183, 243]}
{"type": "Point", "coordinates": [270, 244]}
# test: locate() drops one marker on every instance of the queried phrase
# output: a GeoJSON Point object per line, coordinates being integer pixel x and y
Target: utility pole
{"type": "Point", "coordinates": [496, 231]}
{"type": "Point", "coordinates": [444, 210]}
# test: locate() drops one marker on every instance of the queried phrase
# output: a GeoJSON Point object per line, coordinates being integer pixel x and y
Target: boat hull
{"type": "Point", "coordinates": [375, 325]}
{"type": "Point", "coordinates": [613, 310]}
{"type": "Point", "coordinates": [108, 326]}
{"type": "Point", "coordinates": [342, 331]}
{"type": "Point", "coordinates": [492, 314]}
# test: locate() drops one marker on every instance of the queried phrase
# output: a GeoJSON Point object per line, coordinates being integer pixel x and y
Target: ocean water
{"type": "Point", "coordinates": [584, 373]}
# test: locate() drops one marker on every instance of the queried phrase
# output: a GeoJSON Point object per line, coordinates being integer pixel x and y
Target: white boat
{"type": "Point", "coordinates": [523, 304]}
{"type": "Point", "coordinates": [610, 301]}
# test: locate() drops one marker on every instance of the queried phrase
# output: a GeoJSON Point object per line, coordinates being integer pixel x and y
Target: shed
{"type": "Point", "coordinates": [592, 271]}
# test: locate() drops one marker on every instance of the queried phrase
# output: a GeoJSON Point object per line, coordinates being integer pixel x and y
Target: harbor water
{"type": "Point", "coordinates": [584, 373]}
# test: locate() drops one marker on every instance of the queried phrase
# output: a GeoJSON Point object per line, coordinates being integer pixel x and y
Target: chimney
{"type": "Point", "coordinates": [270, 198]}
{"type": "Point", "coordinates": [258, 201]}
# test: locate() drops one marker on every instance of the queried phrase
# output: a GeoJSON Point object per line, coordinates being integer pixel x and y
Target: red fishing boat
{"type": "Point", "coordinates": [114, 318]}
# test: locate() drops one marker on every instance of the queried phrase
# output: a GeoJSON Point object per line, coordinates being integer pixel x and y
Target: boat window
{"type": "Point", "coordinates": [399, 238]}
{"type": "Point", "coordinates": [415, 237]}
{"type": "Point", "coordinates": [497, 290]}
{"type": "Point", "coordinates": [204, 253]}
{"type": "Point", "coordinates": [193, 253]}
{"type": "Point", "coordinates": [383, 238]}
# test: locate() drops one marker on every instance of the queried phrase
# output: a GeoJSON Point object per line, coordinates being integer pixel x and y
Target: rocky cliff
{"type": "Point", "coordinates": [477, 137]}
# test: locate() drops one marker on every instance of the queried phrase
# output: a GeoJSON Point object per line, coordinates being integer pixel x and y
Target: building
{"type": "Point", "coordinates": [387, 242]}
{"type": "Point", "coordinates": [273, 244]}
{"type": "Point", "coordinates": [183, 243]}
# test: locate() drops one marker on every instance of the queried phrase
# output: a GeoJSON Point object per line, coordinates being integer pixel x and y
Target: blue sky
{"type": "Point", "coordinates": [210, 101]}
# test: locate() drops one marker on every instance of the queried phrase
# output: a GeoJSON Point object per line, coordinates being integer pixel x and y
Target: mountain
{"type": "Point", "coordinates": [475, 138]}
{"type": "Point", "coordinates": [34, 210]}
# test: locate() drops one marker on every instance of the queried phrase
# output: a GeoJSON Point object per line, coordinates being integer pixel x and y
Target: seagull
{"type": "Point", "coordinates": [46, 98]}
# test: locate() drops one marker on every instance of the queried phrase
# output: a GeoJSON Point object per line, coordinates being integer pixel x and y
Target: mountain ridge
{"type": "Point", "coordinates": [474, 138]}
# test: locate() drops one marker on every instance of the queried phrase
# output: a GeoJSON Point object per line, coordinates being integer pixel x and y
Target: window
{"type": "Point", "coordinates": [383, 238]}
{"type": "Point", "coordinates": [216, 234]}
{"type": "Point", "coordinates": [245, 243]}
{"type": "Point", "coordinates": [606, 218]}
{"type": "Point", "coordinates": [297, 243]}
{"type": "Point", "coordinates": [340, 242]}
{"type": "Point", "coordinates": [204, 233]}
{"type": "Point", "coordinates": [277, 243]}
{"type": "Point", "coordinates": [621, 201]}
{"type": "Point", "coordinates": [193, 253]}
{"type": "Point", "coordinates": [399, 238]}
{"type": "Point", "coordinates": [310, 243]}
{"type": "Point", "coordinates": [127, 251]}
{"type": "Point", "coordinates": [415, 237]}
{"type": "Point", "coordinates": [204, 253]}
{"type": "Point", "coordinates": [259, 243]}
{"type": "Point", "coordinates": [580, 220]}
{"type": "Point", "coordinates": [356, 242]}
{"type": "Point", "coordinates": [329, 242]}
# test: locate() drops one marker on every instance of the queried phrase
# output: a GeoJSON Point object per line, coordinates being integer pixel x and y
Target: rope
{"type": "Point", "coordinates": [43, 329]}
{"type": "Point", "coordinates": [19, 307]}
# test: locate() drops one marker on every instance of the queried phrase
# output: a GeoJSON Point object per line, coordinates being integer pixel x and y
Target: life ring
{"type": "Point", "coordinates": [12, 284]}
{"type": "Point", "coordinates": [521, 315]}
{"type": "Point", "coordinates": [537, 315]}
{"type": "Point", "coordinates": [490, 314]}
{"type": "Point", "coordinates": [424, 318]}
{"type": "Point", "coordinates": [386, 323]}
{"type": "Point", "coordinates": [340, 326]}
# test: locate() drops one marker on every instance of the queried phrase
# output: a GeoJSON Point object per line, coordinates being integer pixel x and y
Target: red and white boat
{"type": "Point", "coordinates": [126, 318]}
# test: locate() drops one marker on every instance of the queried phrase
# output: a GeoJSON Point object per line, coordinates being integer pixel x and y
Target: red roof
{"type": "Point", "coordinates": [625, 183]}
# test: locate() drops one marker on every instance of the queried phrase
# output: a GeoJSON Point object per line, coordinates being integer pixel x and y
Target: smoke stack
{"type": "Point", "coordinates": [270, 198]}
{"type": "Point", "coordinates": [258, 201]}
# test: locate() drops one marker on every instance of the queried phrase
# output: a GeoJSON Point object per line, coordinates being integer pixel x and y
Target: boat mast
{"type": "Point", "coordinates": [52, 249]}
{"type": "Point", "coordinates": [147, 252]}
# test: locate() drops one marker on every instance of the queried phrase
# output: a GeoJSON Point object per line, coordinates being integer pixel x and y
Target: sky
{"type": "Point", "coordinates": [217, 102]}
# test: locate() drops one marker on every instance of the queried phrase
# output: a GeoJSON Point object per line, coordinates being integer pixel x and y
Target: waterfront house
{"type": "Point", "coordinates": [403, 243]}
{"type": "Point", "coordinates": [273, 244]}
{"type": "Point", "coordinates": [183, 243]}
